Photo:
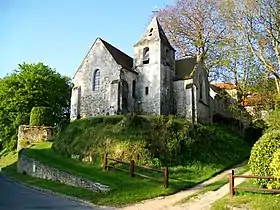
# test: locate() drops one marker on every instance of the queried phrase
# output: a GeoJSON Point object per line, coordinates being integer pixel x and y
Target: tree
{"type": "Point", "coordinates": [29, 86]}
{"type": "Point", "coordinates": [259, 22]}
{"type": "Point", "coordinates": [195, 28]}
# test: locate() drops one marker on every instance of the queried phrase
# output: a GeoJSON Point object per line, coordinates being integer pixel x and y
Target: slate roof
{"type": "Point", "coordinates": [121, 58]}
{"type": "Point", "coordinates": [184, 68]}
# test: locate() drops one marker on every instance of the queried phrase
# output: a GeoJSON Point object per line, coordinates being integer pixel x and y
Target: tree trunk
{"type": "Point", "coordinates": [277, 82]}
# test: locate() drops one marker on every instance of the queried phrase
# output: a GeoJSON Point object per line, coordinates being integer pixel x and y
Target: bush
{"type": "Point", "coordinates": [41, 116]}
{"type": "Point", "coordinates": [275, 168]}
{"type": "Point", "coordinates": [273, 120]}
{"type": "Point", "coordinates": [255, 131]}
{"type": "Point", "coordinates": [21, 119]}
{"type": "Point", "coordinates": [262, 154]}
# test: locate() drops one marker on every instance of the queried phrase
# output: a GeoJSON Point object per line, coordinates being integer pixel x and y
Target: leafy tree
{"type": "Point", "coordinates": [260, 26]}
{"type": "Point", "coordinates": [31, 85]}
{"type": "Point", "coordinates": [195, 29]}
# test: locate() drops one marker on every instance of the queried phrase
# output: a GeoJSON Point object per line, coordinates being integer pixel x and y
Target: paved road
{"type": "Point", "coordinates": [17, 197]}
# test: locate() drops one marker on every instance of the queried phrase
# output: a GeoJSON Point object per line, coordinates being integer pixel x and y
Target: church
{"type": "Point", "coordinates": [109, 82]}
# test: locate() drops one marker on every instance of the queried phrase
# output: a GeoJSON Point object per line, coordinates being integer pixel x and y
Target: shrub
{"type": "Point", "coordinates": [21, 119]}
{"type": "Point", "coordinates": [273, 120]}
{"type": "Point", "coordinates": [41, 116]}
{"type": "Point", "coordinates": [262, 154]}
{"type": "Point", "coordinates": [255, 131]}
{"type": "Point", "coordinates": [275, 168]}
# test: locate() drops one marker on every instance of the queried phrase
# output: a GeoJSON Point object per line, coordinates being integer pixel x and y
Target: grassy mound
{"type": "Point", "coordinates": [151, 140]}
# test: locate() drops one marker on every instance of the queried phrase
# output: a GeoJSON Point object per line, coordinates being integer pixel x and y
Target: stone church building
{"type": "Point", "coordinates": [109, 82]}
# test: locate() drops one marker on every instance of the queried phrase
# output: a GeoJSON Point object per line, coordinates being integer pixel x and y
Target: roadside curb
{"type": "Point", "coordinates": [51, 192]}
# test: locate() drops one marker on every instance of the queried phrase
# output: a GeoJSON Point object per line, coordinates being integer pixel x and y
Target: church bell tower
{"type": "Point", "coordinates": [154, 59]}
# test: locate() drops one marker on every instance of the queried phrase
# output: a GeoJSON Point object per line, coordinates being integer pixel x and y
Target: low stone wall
{"type": "Point", "coordinates": [28, 135]}
{"type": "Point", "coordinates": [31, 167]}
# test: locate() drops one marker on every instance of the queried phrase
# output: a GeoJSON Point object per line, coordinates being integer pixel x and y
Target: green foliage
{"type": "Point", "coordinates": [255, 131]}
{"type": "Point", "coordinates": [262, 154]}
{"type": "Point", "coordinates": [273, 120]}
{"type": "Point", "coordinates": [22, 119]}
{"type": "Point", "coordinates": [41, 116]}
{"type": "Point", "coordinates": [29, 86]}
{"type": "Point", "coordinates": [150, 140]}
{"type": "Point", "coordinates": [275, 169]}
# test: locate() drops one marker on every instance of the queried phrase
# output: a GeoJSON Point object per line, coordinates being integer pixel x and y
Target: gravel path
{"type": "Point", "coordinates": [168, 202]}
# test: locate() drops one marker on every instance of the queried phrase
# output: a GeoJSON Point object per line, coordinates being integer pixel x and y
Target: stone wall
{"type": "Point", "coordinates": [28, 135]}
{"type": "Point", "coordinates": [36, 169]}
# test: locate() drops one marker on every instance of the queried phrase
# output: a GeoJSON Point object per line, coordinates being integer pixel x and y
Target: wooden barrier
{"type": "Point", "coordinates": [233, 189]}
{"type": "Point", "coordinates": [132, 168]}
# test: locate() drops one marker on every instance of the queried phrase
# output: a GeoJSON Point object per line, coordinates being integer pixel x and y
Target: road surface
{"type": "Point", "coordinates": [16, 197]}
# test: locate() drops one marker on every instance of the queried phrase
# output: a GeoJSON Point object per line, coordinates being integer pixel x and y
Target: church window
{"type": "Point", "coordinates": [146, 90]}
{"type": "Point", "coordinates": [146, 55]}
{"type": "Point", "coordinates": [96, 79]}
{"type": "Point", "coordinates": [133, 88]}
{"type": "Point", "coordinates": [200, 87]}
{"type": "Point", "coordinates": [167, 57]}
{"type": "Point", "coordinates": [150, 33]}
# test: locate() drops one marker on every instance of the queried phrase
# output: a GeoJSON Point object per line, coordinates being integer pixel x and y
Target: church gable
{"type": "Point", "coordinates": [97, 56]}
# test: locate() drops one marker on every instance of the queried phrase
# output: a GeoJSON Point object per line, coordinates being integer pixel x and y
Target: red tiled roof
{"type": "Point", "coordinates": [225, 85]}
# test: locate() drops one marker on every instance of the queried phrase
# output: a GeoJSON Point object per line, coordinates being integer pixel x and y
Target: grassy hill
{"type": "Point", "coordinates": [151, 140]}
{"type": "Point", "coordinates": [193, 153]}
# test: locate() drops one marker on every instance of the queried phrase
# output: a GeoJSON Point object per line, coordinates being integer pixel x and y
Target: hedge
{"type": "Point", "coordinates": [41, 116]}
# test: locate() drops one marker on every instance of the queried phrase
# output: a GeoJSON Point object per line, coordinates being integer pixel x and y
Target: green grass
{"type": "Point", "coordinates": [124, 190]}
{"type": "Point", "coordinates": [215, 185]}
{"type": "Point", "coordinates": [249, 200]}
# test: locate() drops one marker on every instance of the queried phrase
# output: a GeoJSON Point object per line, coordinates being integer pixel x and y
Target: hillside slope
{"type": "Point", "coordinates": [151, 140]}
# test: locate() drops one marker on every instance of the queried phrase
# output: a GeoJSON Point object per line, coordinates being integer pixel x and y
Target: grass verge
{"type": "Point", "coordinates": [124, 190]}
{"type": "Point", "coordinates": [248, 200]}
{"type": "Point", "coordinates": [215, 185]}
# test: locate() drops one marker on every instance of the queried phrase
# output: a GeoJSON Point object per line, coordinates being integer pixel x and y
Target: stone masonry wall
{"type": "Point", "coordinates": [28, 135]}
{"type": "Point", "coordinates": [36, 169]}
{"type": "Point", "coordinates": [96, 102]}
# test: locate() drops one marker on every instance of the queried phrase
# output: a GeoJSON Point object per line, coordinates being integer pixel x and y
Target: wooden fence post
{"type": "Point", "coordinates": [166, 177]}
{"type": "Point", "coordinates": [231, 184]}
{"type": "Point", "coordinates": [105, 162]}
{"type": "Point", "coordinates": [131, 168]}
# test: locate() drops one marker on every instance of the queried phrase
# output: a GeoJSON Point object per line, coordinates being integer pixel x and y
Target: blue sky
{"type": "Point", "coordinates": [60, 32]}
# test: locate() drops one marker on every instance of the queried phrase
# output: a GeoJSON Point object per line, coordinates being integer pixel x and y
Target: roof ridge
{"type": "Point", "coordinates": [114, 47]}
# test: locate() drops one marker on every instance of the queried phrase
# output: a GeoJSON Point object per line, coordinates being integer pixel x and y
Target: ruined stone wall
{"type": "Point", "coordinates": [28, 135]}
{"type": "Point", "coordinates": [103, 100]}
{"type": "Point", "coordinates": [37, 169]}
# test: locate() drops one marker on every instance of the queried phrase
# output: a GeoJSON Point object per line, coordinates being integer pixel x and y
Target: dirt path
{"type": "Point", "coordinates": [168, 202]}
{"type": "Point", "coordinates": [204, 201]}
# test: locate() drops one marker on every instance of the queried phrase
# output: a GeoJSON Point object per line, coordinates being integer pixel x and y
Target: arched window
{"type": "Point", "coordinates": [146, 55]}
{"type": "Point", "coordinates": [96, 79]}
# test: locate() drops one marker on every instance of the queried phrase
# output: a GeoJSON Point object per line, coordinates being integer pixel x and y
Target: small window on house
{"type": "Point", "coordinates": [146, 90]}
{"type": "Point", "coordinates": [134, 89]}
{"type": "Point", "coordinates": [96, 79]}
{"type": "Point", "coordinates": [146, 55]}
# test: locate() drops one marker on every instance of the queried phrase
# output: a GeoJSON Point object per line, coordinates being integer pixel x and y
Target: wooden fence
{"type": "Point", "coordinates": [233, 189]}
{"type": "Point", "coordinates": [132, 168]}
